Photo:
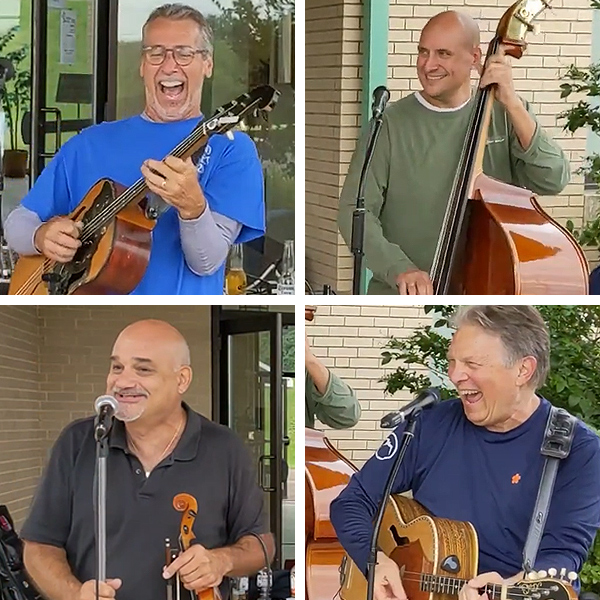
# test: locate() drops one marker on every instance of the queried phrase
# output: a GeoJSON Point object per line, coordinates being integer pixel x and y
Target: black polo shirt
{"type": "Point", "coordinates": [209, 462]}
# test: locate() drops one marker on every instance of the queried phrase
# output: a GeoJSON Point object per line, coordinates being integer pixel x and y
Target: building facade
{"type": "Point", "coordinates": [349, 340]}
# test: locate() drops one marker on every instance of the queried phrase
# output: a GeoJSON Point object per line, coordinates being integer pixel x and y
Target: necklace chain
{"type": "Point", "coordinates": [165, 451]}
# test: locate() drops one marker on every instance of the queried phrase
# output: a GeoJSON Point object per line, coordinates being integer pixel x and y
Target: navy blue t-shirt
{"type": "Point", "coordinates": [464, 472]}
{"type": "Point", "coordinates": [229, 172]}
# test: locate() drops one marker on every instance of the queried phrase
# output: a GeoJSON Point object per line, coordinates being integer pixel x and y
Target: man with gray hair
{"type": "Point", "coordinates": [477, 458]}
{"type": "Point", "coordinates": [203, 208]}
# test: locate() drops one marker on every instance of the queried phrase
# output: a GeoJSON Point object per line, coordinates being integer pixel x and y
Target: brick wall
{"type": "Point", "coordinates": [75, 350]}
{"type": "Point", "coordinates": [21, 437]}
{"type": "Point", "coordinates": [333, 72]}
{"type": "Point", "coordinates": [348, 340]}
{"type": "Point", "coordinates": [565, 38]}
{"type": "Point", "coordinates": [53, 364]}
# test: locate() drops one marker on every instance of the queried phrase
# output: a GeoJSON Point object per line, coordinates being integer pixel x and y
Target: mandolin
{"type": "Point", "coordinates": [117, 222]}
{"type": "Point", "coordinates": [436, 557]}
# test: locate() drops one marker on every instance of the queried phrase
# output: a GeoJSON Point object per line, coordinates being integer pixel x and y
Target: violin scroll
{"type": "Point", "coordinates": [188, 505]}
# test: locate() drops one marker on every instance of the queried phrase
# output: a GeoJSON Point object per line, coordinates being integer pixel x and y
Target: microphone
{"type": "Point", "coordinates": [381, 95]}
{"type": "Point", "coordinates": [106, 407]}
{"type": "Point", "coordinates": [425, 399]}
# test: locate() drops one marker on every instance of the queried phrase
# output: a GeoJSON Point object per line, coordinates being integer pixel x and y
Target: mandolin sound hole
{"type": "Point", "coordinates": [398, 539]}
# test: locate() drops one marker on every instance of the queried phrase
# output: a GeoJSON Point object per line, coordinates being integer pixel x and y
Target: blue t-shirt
{"type": "Point", "coordinates": [230, 175]}
{"type": "Point", "coordinates": [460, 471]}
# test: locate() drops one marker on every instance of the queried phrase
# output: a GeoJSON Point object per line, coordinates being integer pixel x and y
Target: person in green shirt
{"type": "Point", "coordinates": [416, 157]}
{"type": "Point", "coordinates": [328, 398]}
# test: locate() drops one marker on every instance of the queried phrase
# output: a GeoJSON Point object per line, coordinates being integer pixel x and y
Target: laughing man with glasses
{"type": "Point", "coordinates": [203, 208]}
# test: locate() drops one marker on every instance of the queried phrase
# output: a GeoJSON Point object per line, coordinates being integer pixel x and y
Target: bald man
{"type": "Point", "coordinates": [416, 158]}
{"type": "Point", "coordinates": [158, 447]}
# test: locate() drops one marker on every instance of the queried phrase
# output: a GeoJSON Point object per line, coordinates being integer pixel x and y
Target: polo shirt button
{"type": "Point", "coordinates": [138, 471]}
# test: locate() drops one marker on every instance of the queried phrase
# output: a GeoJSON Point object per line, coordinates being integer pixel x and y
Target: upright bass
{"type": "Point", "coordinates": [495, 237]}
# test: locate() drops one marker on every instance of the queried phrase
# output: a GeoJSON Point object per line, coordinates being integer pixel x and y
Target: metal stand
{"type": "Point", "coordinates": [100, 506]}
{"type": "Point", "coordinates": [407, 436]}
{"type": "Point", "coordinates": [358, 218]}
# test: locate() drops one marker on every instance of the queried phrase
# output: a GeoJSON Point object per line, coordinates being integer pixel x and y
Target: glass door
{"type": "Point", "coordinates": [252, 397]}
{"type": "Point", "coordinates": [253, 45]}
{"type": "Point", "coordinates": [69, 73]}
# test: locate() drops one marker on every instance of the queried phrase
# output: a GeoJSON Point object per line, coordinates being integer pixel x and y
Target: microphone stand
{"type": "Point", "coordinates": [101, 436]}
{"type": "Point", "coordinates": [407, 436]}
{"type": "Point", "coordinates": [358, 218]}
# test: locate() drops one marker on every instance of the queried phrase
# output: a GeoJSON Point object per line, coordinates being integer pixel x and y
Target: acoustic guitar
{"type": "Point", "coordinates": [436, 557]}
{"type": "Point", "coordinates": [117, 222]}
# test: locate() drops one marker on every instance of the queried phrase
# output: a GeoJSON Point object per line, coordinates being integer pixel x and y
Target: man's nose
{"type": "Point", "coordinates": [431, 63]}
{"type": "Point", "coordinates": [169, 64]}
{"type": "Point", "coordinates": [457, 374]}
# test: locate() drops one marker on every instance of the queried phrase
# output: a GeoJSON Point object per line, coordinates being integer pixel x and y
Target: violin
{"type": "Point", "coordinates": [495, 237]}
{"type": "Point", "coordinates": [188, 505]}
{"type": "Point", "coordinates": [309, 312]}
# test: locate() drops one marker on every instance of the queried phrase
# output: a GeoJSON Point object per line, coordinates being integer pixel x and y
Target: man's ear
{"type": "Point", "coordinates": [184, 379]}
{"type": "Point", "coordinates": [477, 60]}
{"type": "Point", "coordinates": [526, 370]}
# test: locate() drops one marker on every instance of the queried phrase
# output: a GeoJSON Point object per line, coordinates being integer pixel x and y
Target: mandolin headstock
{"type": "Point", "coordinates": [545, 585]}
{"type": "Point", "coordinates": [516, 23]}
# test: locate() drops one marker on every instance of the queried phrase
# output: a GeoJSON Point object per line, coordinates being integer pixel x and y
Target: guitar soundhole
{"type": "Point", "coordinates": [398, 539]}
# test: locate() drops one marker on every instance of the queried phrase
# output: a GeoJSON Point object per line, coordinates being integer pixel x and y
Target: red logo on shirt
{"type": "Point", "coordinates": [515, 478]}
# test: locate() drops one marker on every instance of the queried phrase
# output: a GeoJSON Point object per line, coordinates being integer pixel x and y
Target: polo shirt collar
{"type": "Point", "coordinates": [187, 446]}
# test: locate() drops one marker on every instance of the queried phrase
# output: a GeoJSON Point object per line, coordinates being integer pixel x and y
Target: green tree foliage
{"type": "Point", "coordinates": [586, 113]}
{"type": "Point", "coordinates": [573, 382]}
{"type": "Point", "coordinates": [16, 94]}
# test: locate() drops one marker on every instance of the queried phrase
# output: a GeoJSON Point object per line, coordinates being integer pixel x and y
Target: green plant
{"type": "Point", "coordinates": [573, 381]}
{"type": "Point", "coordinates": [585, 114]}
{"type": "Point", "coordinates": [16, 95]}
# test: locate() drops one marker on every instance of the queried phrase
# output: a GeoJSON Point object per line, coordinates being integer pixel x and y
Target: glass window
{"type": "Point", "coordinates": [253, 45]}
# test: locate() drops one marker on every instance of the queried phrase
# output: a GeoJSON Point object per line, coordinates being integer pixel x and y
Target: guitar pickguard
{"type": "Point", "coordinates": [65, 278]}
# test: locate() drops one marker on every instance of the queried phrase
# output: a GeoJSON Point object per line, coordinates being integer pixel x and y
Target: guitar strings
{"type": "Point", "coordinates": [30, 284]}
{"type": "Point", "coordinates": [418, 577]}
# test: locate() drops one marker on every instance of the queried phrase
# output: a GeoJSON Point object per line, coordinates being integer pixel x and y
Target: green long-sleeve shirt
{"type": "Point", "coordinates": [338, 407]}
{"type": "Point", "coordinates": [410, 180]}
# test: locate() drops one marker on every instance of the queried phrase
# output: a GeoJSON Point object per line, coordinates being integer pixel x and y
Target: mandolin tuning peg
{"type": "Point", "coordinates": [563, 573]}
{"type": "Point", "coordinates": [542, 574]}
{"type": "Point", "coordinates": [552, 572]}
{"type": "Point", "coordinates": [572, 576]}
{"type": "Point", "coordinates": [536, 29]}
{"type": "Point", "coordinates": [532, 575]}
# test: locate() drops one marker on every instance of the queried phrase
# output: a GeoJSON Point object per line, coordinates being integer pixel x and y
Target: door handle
{"type": "Point", "coordinates": [57, 142]}
{"type": "Point", "coordinates": [262, 461]}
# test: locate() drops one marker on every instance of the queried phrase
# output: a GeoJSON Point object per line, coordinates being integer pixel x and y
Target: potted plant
{"type": "Point", "coordinates": [15, 96]}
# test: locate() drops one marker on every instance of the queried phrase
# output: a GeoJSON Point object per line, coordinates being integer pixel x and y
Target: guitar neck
{"type": "Point", "coordinates": [139, 189]}
{"type": "Point", "coordinates": [439, 584]}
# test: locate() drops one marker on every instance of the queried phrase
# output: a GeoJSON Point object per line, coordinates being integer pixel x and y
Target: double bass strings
{"type": "Point", "coordinates": [453, 221]}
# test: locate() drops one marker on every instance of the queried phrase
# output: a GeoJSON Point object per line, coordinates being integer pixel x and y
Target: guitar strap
{"type": "Point", "coordinates": [556, 445]}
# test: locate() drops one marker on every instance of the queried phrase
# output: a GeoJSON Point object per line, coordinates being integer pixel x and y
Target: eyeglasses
{"type": "Point", "coordinates": [183, 55]}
